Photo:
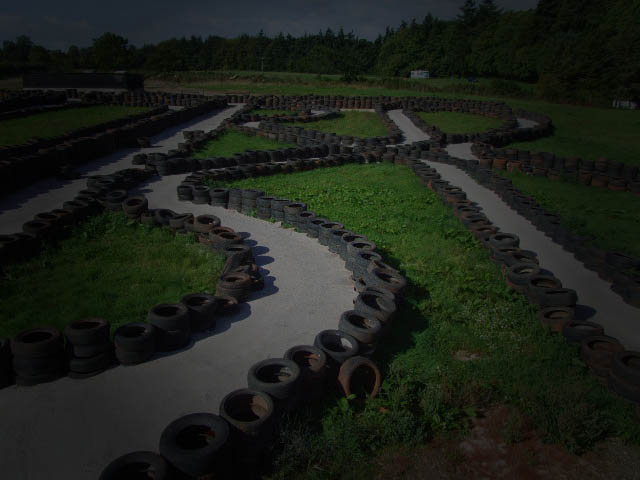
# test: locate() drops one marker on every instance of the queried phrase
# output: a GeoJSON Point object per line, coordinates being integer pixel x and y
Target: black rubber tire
{"type": "Point", "coordinates": [96, 363]}
{"type": "Point", "coordinates": [135, 465]}
{"type": "Point", "coordinates": [278, 377]}
{"type": "Point", "coordinates": [169, 340]}
{"type": "Point", "coordinates": [250, 415]}
{"type": "Point", "coordinates": [375, 305]}
{"type": "Point", "coordinates": [539, 283]}
{"type": "Point", "coordinates": [238, 254]}
{"type": "Point", "coordinates": [134, 357]}
{"type": "Point", "coordinates": [598, 351]}
{"type": "Point", "coordinates": [202, 310]}
{"type": "Point", "coordinates": [555, 297]}
{"type": "Point", "coordinates": [134, 337]}
{"type": "Point", "coordinates": [87, 351]}
{"type": "Point", "coordinates": [504, 240]}
{"type": "Point", "coordinates": [236, 285]}
{"type": "Point", "coordinates": [309, 358]}
{"type": "Point", "coordinates": [222, 240]}
{"type": "Point", "coordinates": [337, 345]}
{"type": "Point", "coordinates": [386, 279]}
{"type": "Point", "coordinates": [193, 443]}
{"type": "Point", "coordinates": [576, 331]}
{"type": "Point", "coordinates": [39, 228]}
{"type": "Point", "coordinates": [555, 317]}
{"type": "Point", "coordinates": [163, 215]}
{"type": "Point", "coordinates": [177, 221]}
{"type": "Point", "coordinates": [37, 342]}
{"type": "Point", "coordinates": [25, 367]}
{"type": "Point", "coordinates": [626, 366]}
{"type": "Point", "coordinates": [134, 206]}
{"type": "Point", "coordinates": [205, 223]}
{"type": "Point", "coordinates": [356, 247]}
{"type": "Point", "coordinates": [169, 316]}
{"type": "Point", "coordinates": [520, 273]}
{"type": "Point", "coordinates": [88, 331]}
{"type": "Point", "coordinates": [360, 326]}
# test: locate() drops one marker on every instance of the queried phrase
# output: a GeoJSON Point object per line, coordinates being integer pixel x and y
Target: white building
{"type": "Point", "coordinates": [419, 73]}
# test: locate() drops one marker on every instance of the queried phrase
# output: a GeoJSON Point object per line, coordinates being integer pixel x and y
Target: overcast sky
{"type": "Point", "coordinates": [58, 25]}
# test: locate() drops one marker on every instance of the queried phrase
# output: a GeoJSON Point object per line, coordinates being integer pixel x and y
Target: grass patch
{"type": "Point", "coordinates": [612, 218]}
{"type": "Point", "coordinates": [108, 268]}
{"type": "Point", "coordinates": [457, 300]}
{"type": "Point", "coordinates": [51, 124]}
{"type": "Point", "coordinates": [357, 124]}
{"type": "Point", "coordinates": [232, 142]}
{"type": "Point", "coordinates": [455, 122]}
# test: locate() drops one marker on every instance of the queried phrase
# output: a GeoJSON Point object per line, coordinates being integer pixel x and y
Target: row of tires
{"type": "Point", "coordinates": [509, 132]}
{"type": "Point", "coordinates": [247, 419]}
{"type": "Point", "coordinates": [604, 355]}
{"type": "Point", "coordinates": [48, 227]}
{"type": "Point", "coordinates": [39, 356]}
{"type": "Point", "coordinates": [144, 99]}
{"type": "Point", "coordinates": [16, 171]}
{"type": "Point", "coordinates": [12, 100]}
{"type": "Point", "coordinates": [614, 267]}
{"type": "Point", "coordinates": [232, 442]}
{"type": "Point", "coordinates": [602, 172]}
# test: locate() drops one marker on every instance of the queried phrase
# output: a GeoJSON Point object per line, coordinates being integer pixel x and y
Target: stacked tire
{"type": "Point", "coordinates": [89, 347]}
{"type": "Point", "coordinates": [250, 415]}
{"type": "Point", "coordinates": [134, 207]}
{"type": "Point", "coordinates": [219, 197]}
{"type": "Point", "coordinates": [291, 211]}
{"type": "Point", "coordinates": [312, 362]}
{"type": "Point", "coordinates": [201, 195]}
{"type": "Point", "coordinates": [134, 343]}
{"type": "Point", "coordinates": [277, 208]}
{"type": "Point", "coordinates": [171, 322]}
{"type": "Point", "coordinates": [38, 355]}
{"type": "Point", "coordinates": [235, 199]}
{"type": "Point", "coordinates": [263, 204]}
{"type": "Point", "coordinates": [365, 328]}
{"type": "Point", "coordinates": [249, 200]}
{"type": "Point", "coordinates": [279, 378]}
{"type": "Point", "coordinates": [195, 445]}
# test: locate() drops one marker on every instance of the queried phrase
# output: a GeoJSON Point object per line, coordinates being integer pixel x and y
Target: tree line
{"type": "Point", "coordinates": [570, 48]}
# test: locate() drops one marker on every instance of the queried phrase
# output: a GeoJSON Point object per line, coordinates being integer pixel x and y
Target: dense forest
{"type": "Point", "coordinates": [570, 48]}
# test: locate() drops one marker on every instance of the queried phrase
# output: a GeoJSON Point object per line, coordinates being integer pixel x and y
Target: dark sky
{"type": "Point", "coordinates": [60, 24]}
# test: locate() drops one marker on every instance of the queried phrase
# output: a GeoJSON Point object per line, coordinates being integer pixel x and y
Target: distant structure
{"type": "Point", "coordinates": [107, 82]}
{"type": "Point", "coordinates": [419, 73]}
{"type": "Point", "coordinates": [626, 104]}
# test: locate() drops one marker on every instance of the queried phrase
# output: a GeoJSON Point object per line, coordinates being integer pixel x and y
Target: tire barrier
{"type": "Point", "coordinates": [556, 304]}
{"type": "Point", "coordinates": [16, 100]}
{"type": "Point", "coordinates": [509, 132]}
{"type": "Point", "coordinates": [24, 164]}
{"type": "Point", "coordinates": [602, 173]}
{"type": "Point", "coordinates": [613, 267]}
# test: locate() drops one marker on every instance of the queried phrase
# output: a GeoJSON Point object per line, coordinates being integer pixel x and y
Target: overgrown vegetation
{"type": "Point", "coordinates": [454, 122]}
{"type": "Point", "coordinates": [574, 50]}
{"type": "Point", "coordinates": [457, 301]}
{"type": "Point", "coordinates": [51, 124]}
{"type": "Point", "coordinates": [110, 268]}
{"type": "Point", "coordinates": [357, 124]}
{"type": "Point", "coordinates": [232, 142]}
{"type": "Point", "coordinates": [611, 218]}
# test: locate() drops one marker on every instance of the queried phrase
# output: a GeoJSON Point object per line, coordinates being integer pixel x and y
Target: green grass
{"type": "Point", "coordinates": [455, 122]}
{"type": "Point", "coordinates": [51, 124]}
{"type": "Point", "coordinates": [357, 124]}
{"type": "Point", "coordinates": [457, 300]}
{"type": "Point", "coordinates": [107, 268]}
{"type": "Point", "coordinates": [232, 142]}
{"type": "Point", "coordinates": [612, 218]}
